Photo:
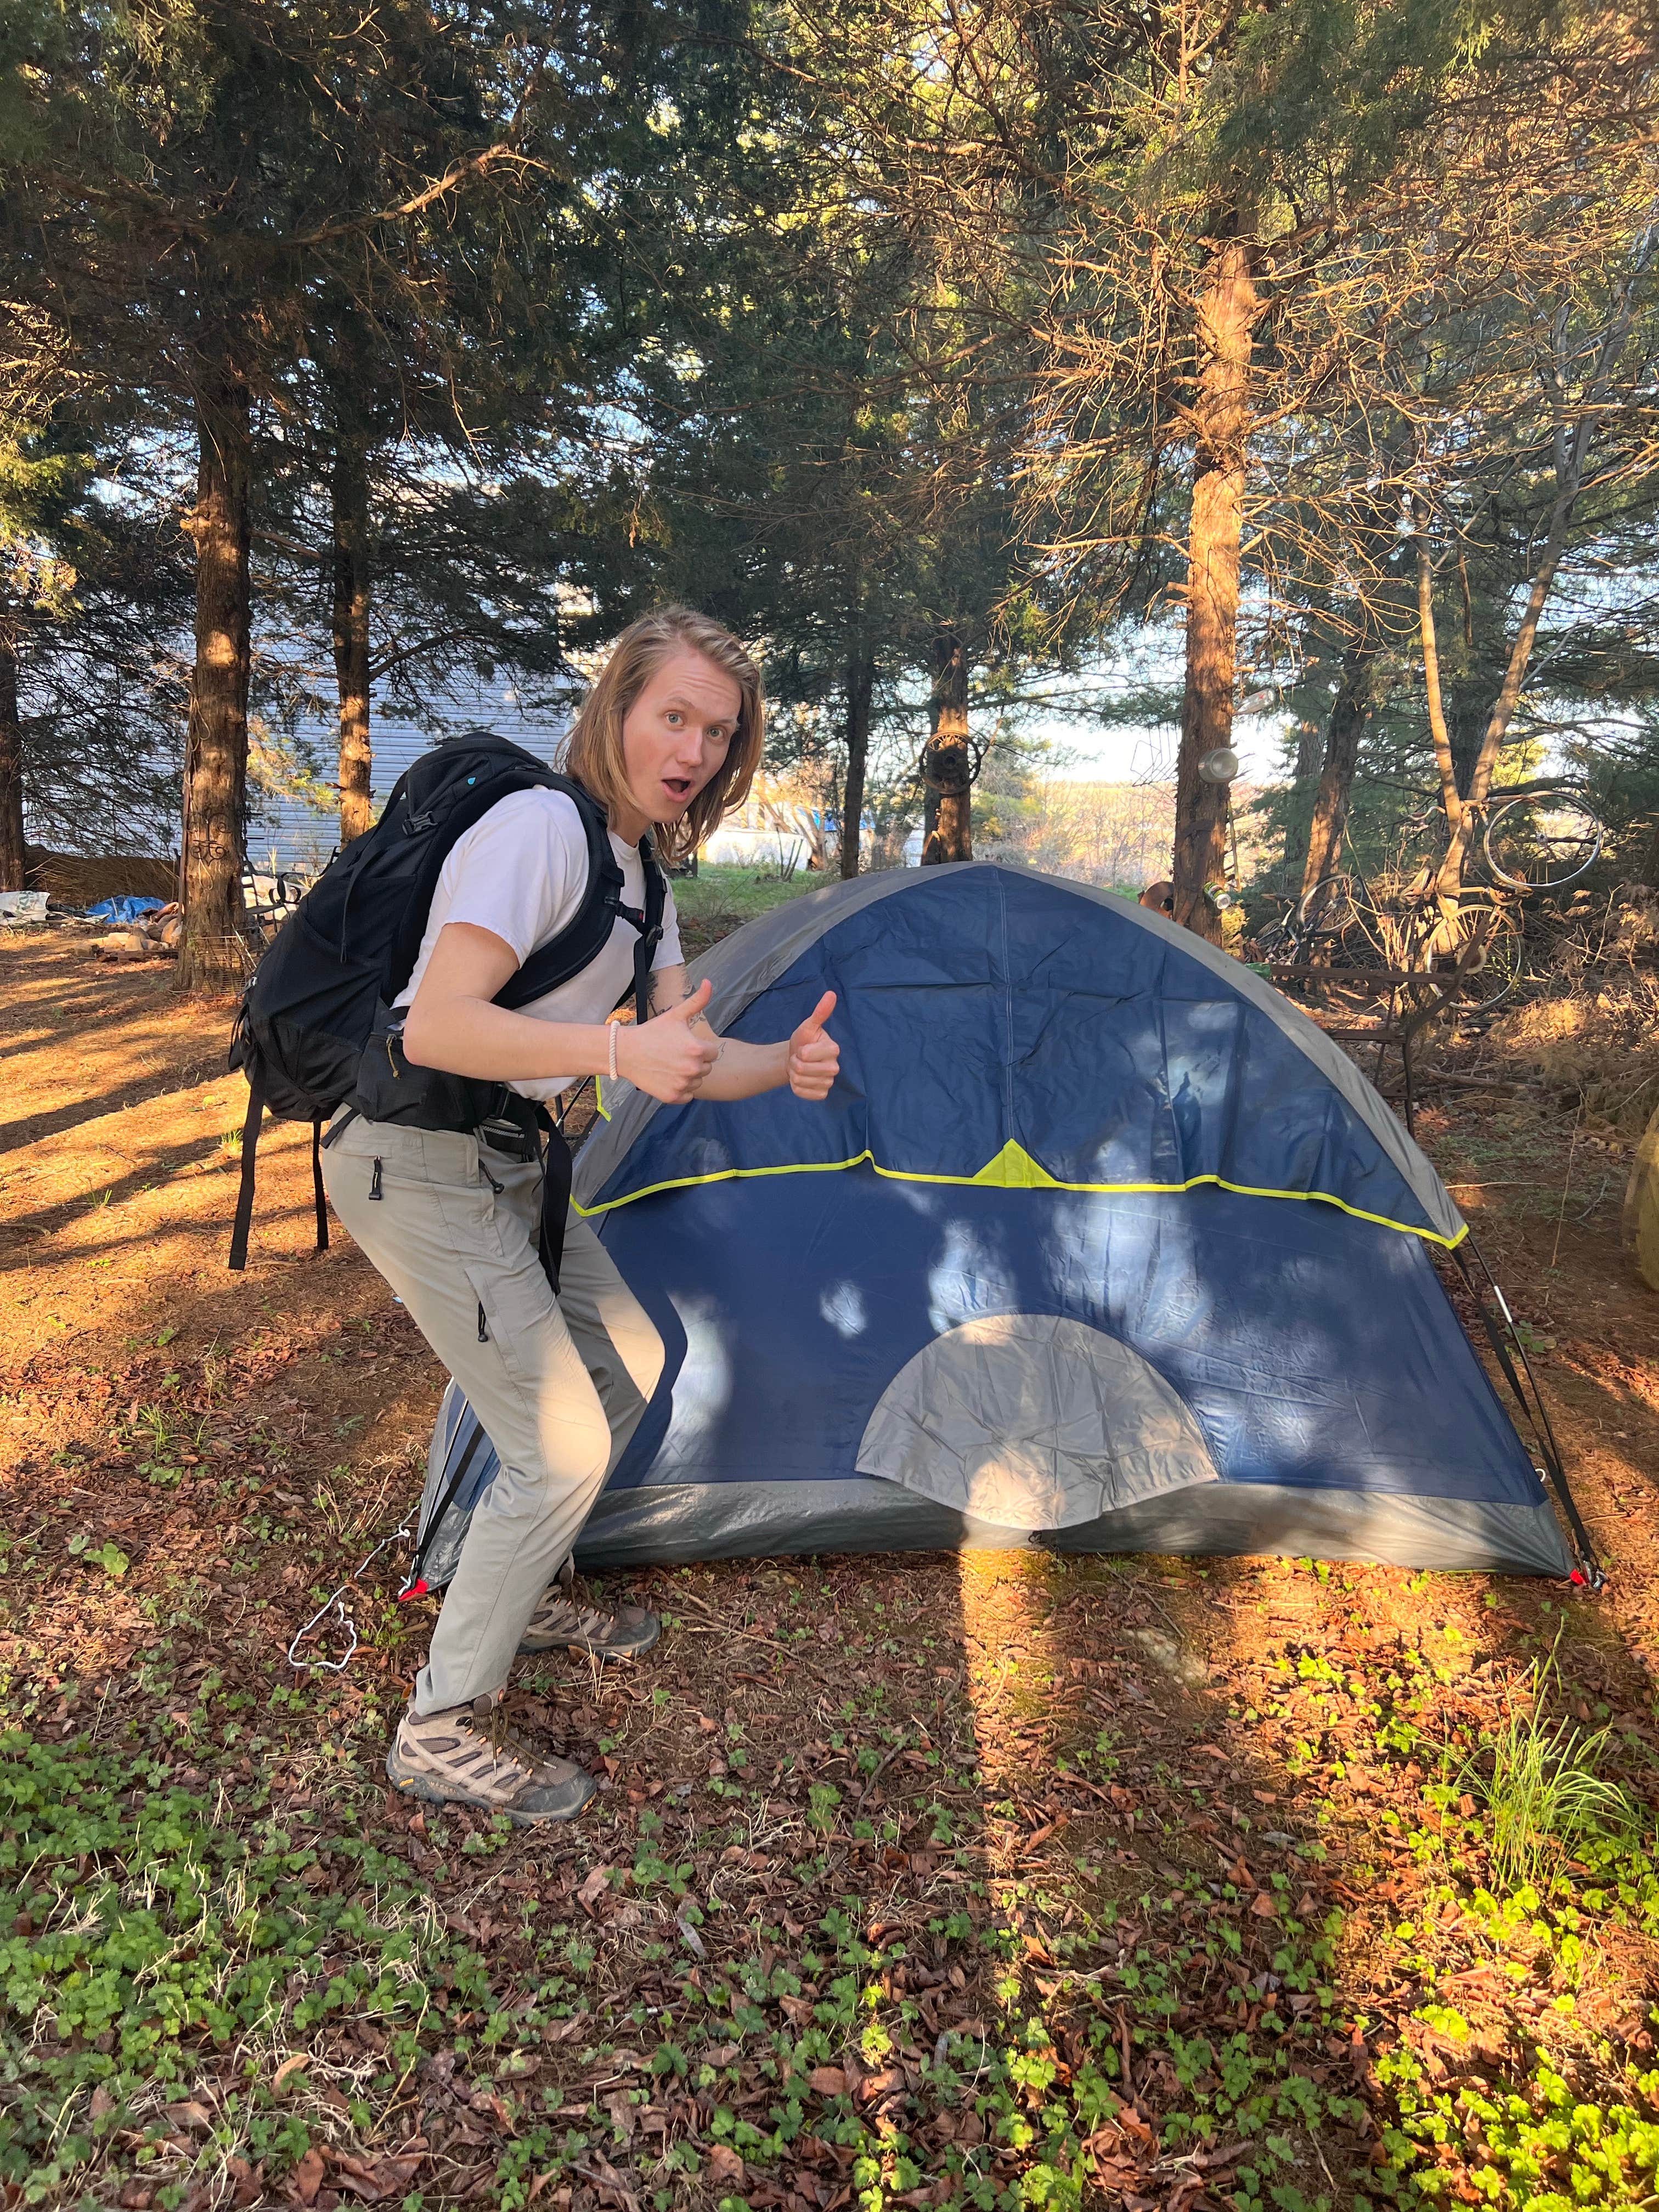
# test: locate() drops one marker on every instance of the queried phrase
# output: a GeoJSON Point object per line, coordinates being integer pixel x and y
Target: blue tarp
{"type": "Point", "coordinates": [124, 909]}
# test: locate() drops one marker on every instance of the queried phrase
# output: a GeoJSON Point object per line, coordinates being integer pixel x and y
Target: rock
{"type": "Point", "coordinates": [1171, 1658]}
{"type": "Point", "coordinates": [124, 944]}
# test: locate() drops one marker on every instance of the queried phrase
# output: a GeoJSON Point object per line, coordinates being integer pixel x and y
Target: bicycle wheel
{"type": "Point", "coordinates": [1340, 926]}
{"type": "Point", "coordinates": [1330, 908]}
{"type": "Point", "coordinates": [1272, 939]}
{"type": "Point", "coordinates": [1498, 966]}
{"type": "Point", "coordinates": [1541, 842]}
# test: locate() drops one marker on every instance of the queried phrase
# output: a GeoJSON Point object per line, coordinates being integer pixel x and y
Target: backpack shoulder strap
{"type": "Point", "coordinates": [466, 809]}
{"type": "Point", "coordinates": [587, 933]}
{"type": "Point", "coordinates": [649, 926]}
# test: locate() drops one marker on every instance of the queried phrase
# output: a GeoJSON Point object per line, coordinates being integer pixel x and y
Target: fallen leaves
{"type": "Point", "coordinates": [307, 2178]}
{"type": "Point", "coordinates": [881, 2088]}
{"type": "Point", "coordinates": [594, 1888]}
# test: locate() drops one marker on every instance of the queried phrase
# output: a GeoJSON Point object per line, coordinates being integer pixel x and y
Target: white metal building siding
{"type": "Point", "coordinates": [285, 833]}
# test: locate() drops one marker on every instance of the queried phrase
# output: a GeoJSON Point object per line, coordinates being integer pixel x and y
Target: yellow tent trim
{"type": "Point", "coordinates": [1014, 1168]}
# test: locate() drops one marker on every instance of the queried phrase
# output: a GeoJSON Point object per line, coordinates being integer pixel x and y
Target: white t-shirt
{"type": "Point", "coordinates": [521, 872]}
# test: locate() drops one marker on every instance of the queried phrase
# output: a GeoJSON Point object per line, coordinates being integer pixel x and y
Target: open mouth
{"type": "Point", "coordinates": [678, 788]}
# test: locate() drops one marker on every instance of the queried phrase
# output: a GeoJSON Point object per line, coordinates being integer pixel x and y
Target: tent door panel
{"type": "Point", "coordinates": [1033, 1421]}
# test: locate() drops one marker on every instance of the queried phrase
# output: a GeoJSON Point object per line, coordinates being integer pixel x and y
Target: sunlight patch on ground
{"type": "Point", "coordinates": [1013, 1663]}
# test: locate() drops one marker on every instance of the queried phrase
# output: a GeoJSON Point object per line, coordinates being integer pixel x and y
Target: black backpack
{"type": "Point", "coordinates": [322, 993]}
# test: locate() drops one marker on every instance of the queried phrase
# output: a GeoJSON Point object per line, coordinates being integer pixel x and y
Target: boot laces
{"type": "Point", "coordinates": [509, 1746]}
{"type": "Point", "coordinates": [561, 1612]}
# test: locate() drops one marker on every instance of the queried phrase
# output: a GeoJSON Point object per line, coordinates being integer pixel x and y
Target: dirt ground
{"type": "Point", "coordinates": [1006, 1879]}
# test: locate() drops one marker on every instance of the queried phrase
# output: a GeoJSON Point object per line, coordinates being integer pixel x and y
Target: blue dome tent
{"type": "Point", "coordinates": [1099, 1243]}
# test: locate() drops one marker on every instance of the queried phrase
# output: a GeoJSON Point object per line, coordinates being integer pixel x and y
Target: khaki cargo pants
{"type": "Point", "coordinates": [559, 1384]}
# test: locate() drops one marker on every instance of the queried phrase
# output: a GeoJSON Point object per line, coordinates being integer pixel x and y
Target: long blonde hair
{"type": "Point", "coordinates": [594, 753]}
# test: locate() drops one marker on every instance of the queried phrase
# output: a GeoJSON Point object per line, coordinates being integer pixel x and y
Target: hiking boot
{"type": "Point", "coordinates": [466, 1756]}
{"type": "Point", "coordinates": [560, 1622]}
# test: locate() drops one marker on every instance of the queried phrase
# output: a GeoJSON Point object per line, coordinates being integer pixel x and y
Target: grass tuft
{"type": "Point", "coordinates": [1544, 1794]}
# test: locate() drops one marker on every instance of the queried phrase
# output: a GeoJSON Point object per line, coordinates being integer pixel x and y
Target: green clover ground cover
{"type": "Point", "coordinates": [922, 1986]}
{"type": "Point", "coordinates": [146, 1931]}
{"type": "Point", "coordinates": [167, 1952]}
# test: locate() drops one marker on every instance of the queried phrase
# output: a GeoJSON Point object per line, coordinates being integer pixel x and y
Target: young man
{"type": "Point", "coordinates": [667, 740]}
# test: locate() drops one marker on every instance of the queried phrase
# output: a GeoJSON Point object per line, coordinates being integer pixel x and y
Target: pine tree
{"type": "Point", "coordinates": [186, 177]}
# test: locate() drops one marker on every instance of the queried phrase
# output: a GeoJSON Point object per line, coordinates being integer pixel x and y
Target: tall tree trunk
{"type": "Point", "coordinates": [1452, 793]}
{"type": "Point", "coordinates": [1343, 731]}
{"type": "Point", "coordinates": [350, 615]}
{"type": "Point", "coordinates": [946, 763]}
{"type": "Point", "coordinates": [1308, 752]}
{"type": "Point", "coordinates": [11, 770]}
{"type": "Point", "coordinates": [217, 752]}
{"type": "Point", "coordinates": [1226, 323]}
{"type": "Point", "coordinates": [858, 683]}
{"type": "Point", "coordinates": [1304, 779]}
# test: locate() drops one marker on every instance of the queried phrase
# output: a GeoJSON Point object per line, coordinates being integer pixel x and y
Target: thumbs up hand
{"type": "Point", "coordinates": [814, 1057]}
{"type": "Point", "coordinates": [665, 1055]}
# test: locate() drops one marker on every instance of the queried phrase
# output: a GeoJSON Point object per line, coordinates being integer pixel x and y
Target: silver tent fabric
{"type": "Point", "coordinates": [672, 1522]}
{"type": "Point", "coordinates": [668, 1523]}
{"type": "Point", "coordinates": [1033, 1421]}
{"type": "Point", "coordinates": [745, 963]}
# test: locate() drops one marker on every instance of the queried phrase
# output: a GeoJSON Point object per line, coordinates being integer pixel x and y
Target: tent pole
{"type": "Point", "coordinates": [1538, 1420]}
